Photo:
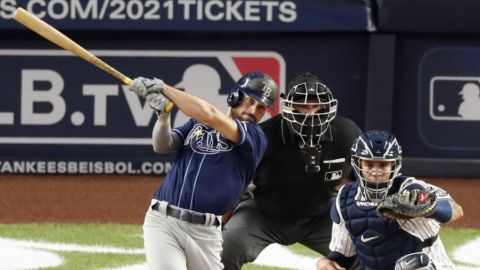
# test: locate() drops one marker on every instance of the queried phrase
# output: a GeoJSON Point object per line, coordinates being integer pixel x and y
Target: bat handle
{"type": "Point", "coordinates": [168, 108]}
{"type": "Point", "coordinates": [127, 81]}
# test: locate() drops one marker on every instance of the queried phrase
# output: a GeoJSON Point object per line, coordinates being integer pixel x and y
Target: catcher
{"type": "Point", "coordinates": [388, 220]}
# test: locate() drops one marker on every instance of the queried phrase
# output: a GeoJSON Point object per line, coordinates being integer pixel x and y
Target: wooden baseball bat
{"type": "Point", "coordinates": [47, 31]}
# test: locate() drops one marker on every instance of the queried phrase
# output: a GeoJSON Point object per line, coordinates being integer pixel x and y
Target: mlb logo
{"type": "Point", "coordinates": [449, 99]}
{"type": "Point", "coordinates": [455, 98]}
{"type": "Point", "coordinates": [333, 175]}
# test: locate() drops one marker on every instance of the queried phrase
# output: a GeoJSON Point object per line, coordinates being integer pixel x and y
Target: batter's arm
{"type": "Point", "coordinates": [163, 139]}
{"type": "Point", "coordinates": [203, 112]}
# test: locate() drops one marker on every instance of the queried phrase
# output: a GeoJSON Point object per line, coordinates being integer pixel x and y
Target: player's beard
{"type": "Point", "coordinates": [243, 116]}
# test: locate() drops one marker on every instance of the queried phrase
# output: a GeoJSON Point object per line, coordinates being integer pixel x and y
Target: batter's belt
{"type": "Point", "coordinates": [185, 214]}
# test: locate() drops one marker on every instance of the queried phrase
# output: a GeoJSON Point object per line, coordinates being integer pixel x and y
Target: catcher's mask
{"type": "Point", "coordinates": [376, 146]}
{"type": "Point", "coordinates": [308, 108]}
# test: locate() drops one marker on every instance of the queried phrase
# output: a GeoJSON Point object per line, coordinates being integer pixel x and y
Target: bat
{"type": "Point", "coordinates": [47, 31]}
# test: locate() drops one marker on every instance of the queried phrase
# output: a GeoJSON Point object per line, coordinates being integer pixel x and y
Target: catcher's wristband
{"type": "Point", "coordinates": [443, 212]}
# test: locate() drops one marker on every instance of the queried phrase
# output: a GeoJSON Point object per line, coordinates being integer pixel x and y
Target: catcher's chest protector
{"type": "Point", "coordinates": [379, 242]}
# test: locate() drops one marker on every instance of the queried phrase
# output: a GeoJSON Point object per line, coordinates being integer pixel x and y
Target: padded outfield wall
{"type": "Point", "coordinates": [61, 115]}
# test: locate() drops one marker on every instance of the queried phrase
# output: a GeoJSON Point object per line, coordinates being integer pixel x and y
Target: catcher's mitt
{"type": "Point", "coordinates": [408, 205]}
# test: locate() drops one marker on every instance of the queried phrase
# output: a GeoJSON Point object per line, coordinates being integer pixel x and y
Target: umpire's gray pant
{"type": "Point", "coordinates": [173, 244]}
{"type": "Point", "coordinates": [249, 231]}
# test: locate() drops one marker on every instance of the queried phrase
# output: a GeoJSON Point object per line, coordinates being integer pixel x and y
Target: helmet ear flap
{"type": "Point", "coordinates": [234, 98]}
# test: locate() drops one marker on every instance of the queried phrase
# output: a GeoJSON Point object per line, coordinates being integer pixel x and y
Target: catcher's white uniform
{"type": "Point", "coordinates": [422, 228]}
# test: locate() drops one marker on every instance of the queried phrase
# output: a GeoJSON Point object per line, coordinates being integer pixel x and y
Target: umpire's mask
{"type": "Point", "coordinates": [308, 109]}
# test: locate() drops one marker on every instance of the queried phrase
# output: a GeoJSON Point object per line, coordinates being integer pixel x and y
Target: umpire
{"type": "Point", "coordinates": [288, 201]}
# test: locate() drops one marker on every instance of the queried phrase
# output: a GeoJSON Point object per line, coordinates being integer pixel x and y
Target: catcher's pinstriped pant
{"type": "Point", "coordinates": [173, 244]}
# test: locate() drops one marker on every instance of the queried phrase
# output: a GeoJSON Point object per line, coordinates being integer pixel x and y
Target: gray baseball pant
{"type": "Point", "coordinates": [173, 244]}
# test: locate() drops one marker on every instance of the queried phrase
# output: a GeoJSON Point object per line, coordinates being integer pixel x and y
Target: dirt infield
{"type": "Point", "coordinates": [123, 199]}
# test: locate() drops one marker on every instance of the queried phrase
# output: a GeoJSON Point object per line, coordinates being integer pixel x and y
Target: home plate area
{"type": "Point", "coordinates": [20, 255]}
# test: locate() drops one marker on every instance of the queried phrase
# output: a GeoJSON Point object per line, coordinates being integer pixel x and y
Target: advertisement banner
{"type": "Point", "coordinates": [195, 15]}
{"type": "Point", "coordinates": [61, 115]}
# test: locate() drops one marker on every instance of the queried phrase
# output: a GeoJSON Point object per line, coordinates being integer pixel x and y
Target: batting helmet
{"type": "Point", "coordinates": [257, 85]}
{"type": "Point", "coordinates": [376, 145]}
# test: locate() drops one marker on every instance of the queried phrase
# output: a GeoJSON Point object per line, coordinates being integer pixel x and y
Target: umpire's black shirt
{"type": "Point", "coordinates": [284, 190]}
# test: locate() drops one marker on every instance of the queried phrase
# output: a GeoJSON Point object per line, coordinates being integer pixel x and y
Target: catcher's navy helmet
{"type": "Point", "coordinates": [376, 145]}
{"type": "Point", "coordinates": [306, 89]}
{"type": "Point", "coordinates": [257, 85]}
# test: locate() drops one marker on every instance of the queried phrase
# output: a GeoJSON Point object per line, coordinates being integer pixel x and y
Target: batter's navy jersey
{"type": "Point", "coordinates": [210, 172]}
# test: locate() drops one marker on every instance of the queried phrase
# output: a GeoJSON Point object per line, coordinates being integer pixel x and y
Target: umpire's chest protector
{"type": "Point", "coordinates": [379, 242]}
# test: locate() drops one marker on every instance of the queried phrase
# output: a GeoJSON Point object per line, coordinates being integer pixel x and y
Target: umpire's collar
{"type": "Point", "coordinates": [288, 137]}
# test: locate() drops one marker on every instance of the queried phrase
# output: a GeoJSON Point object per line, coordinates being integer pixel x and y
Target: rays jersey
{"type": "Point", "coordinates": [210, 172]}
{"type": "Point", "coordinates": [379, 243]}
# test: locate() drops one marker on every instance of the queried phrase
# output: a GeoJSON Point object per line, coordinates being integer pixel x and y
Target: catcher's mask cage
{"type": "Point", "coordinates": [307, 90]}
{"type": "Point", "coordinates": [379, 146]}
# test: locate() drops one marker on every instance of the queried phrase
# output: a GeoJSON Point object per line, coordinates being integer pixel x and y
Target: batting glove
{"type": "Point", "coordinates": [158, 102]}
{"type": "Point", "coordinates": [143, 86]}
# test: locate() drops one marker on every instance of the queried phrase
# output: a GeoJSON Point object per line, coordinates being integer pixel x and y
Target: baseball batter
{"type": "Point", "coordinates": [379, 242]}
{"type": "Point", "coordinates": [289, 199]}
{"type": "Point", "coordinates": [216, 156]}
